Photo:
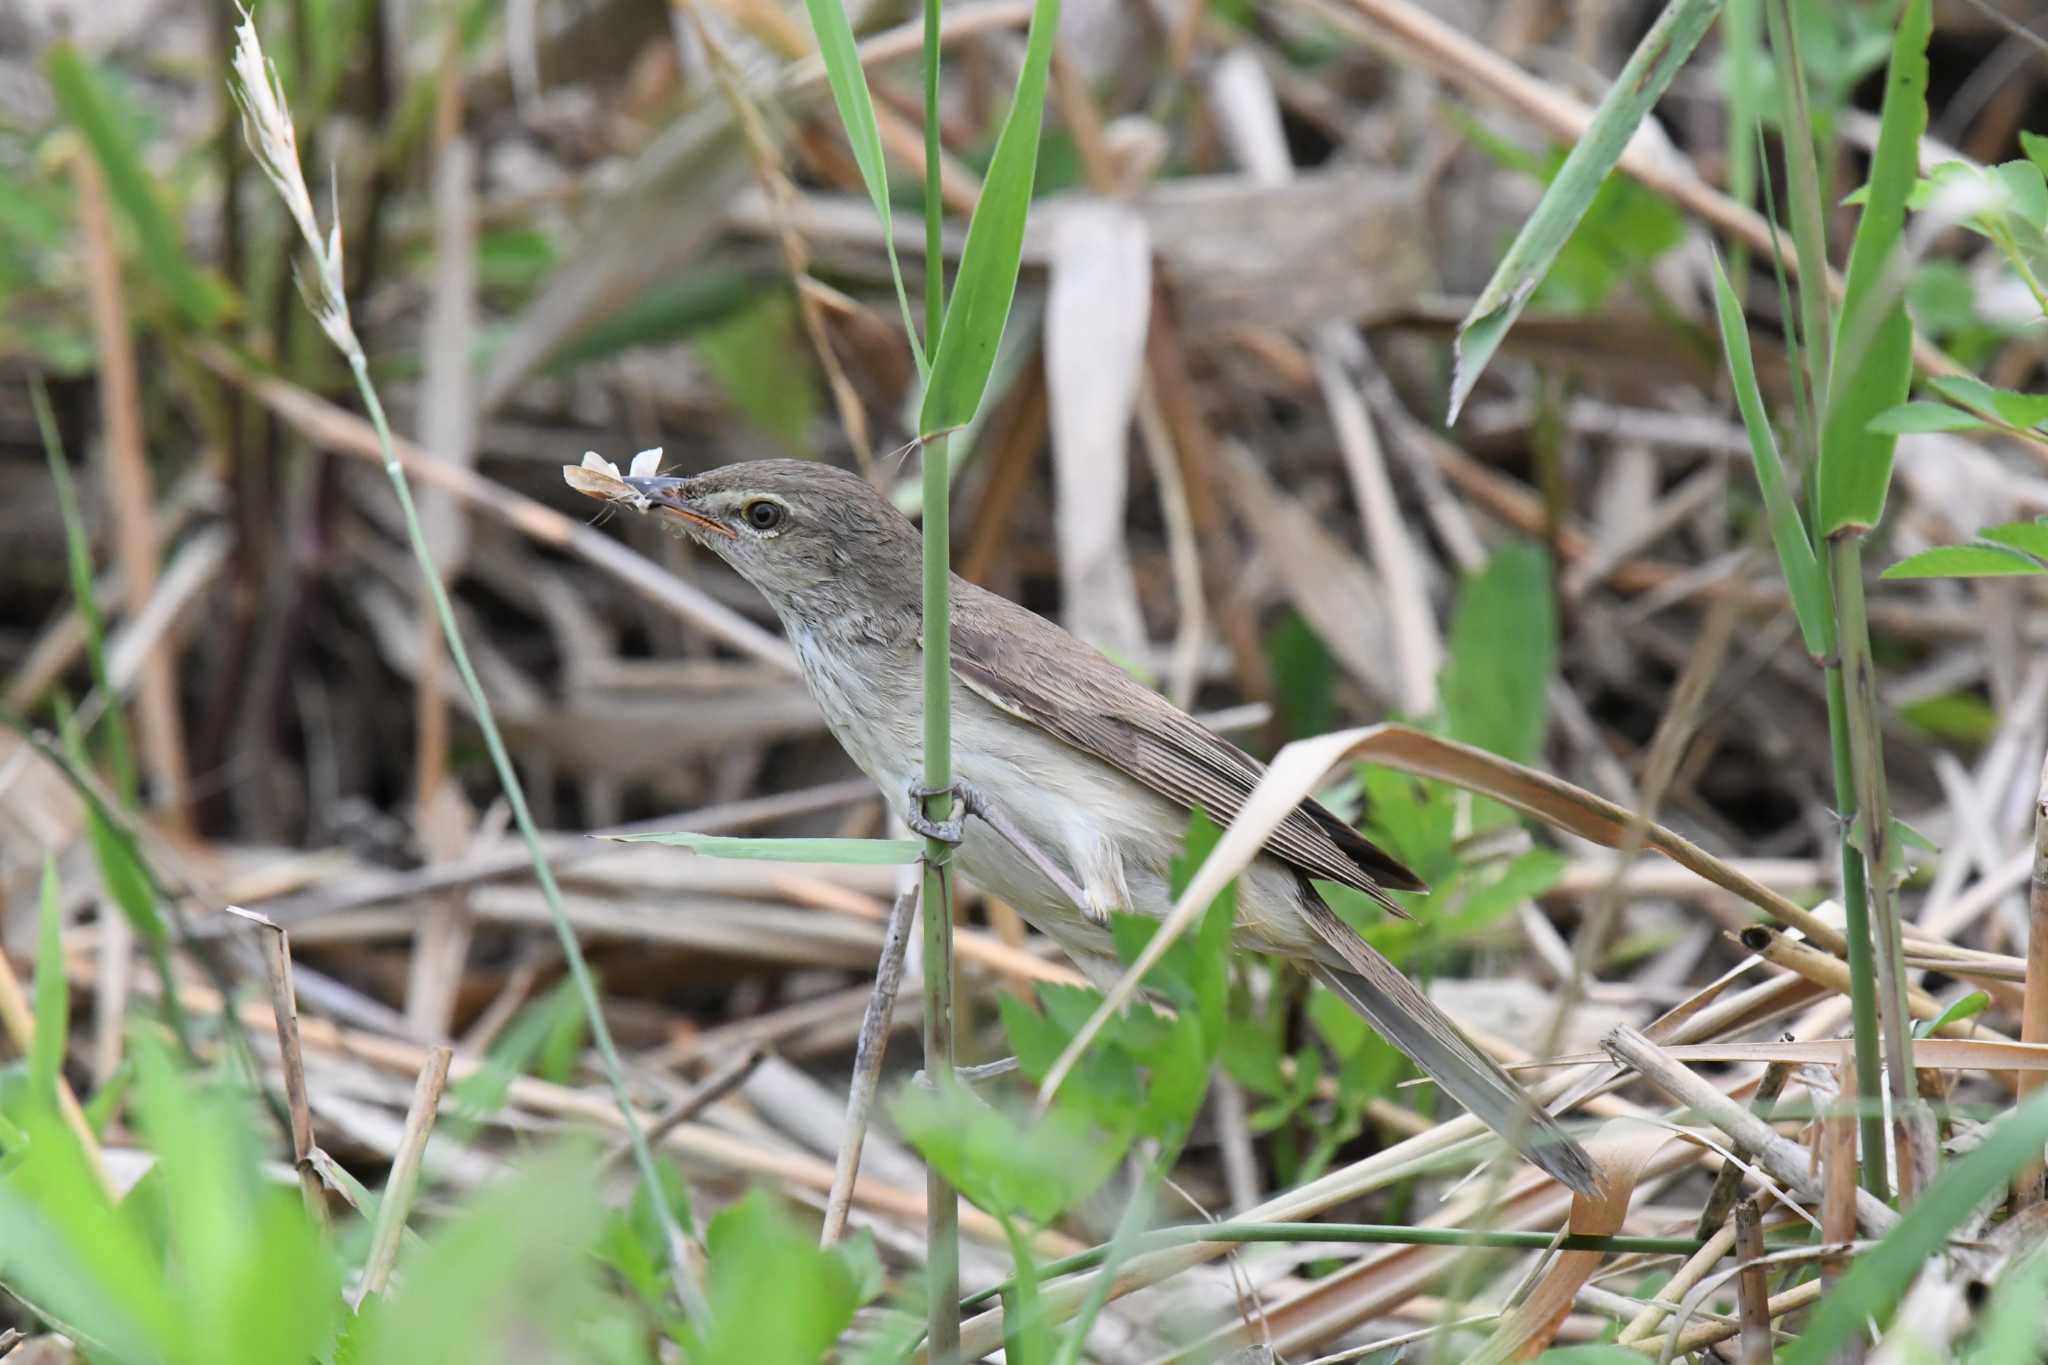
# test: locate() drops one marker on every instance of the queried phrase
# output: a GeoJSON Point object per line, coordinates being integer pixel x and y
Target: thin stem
{"type": "Point", "coordinates": [687, 1290]}
{"type": "Point", "coordinates": [1802, 174]}
{"type": "Point", "coordinates": [1866, 752]}
{"type": "Point", "coordinates": [1856, 929]}
{"type": "Point", "coordinates": [942, 1205]}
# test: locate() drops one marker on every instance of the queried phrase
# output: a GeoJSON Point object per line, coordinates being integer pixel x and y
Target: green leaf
{"type": "Point", "coordinates": [1641, 83]}
{"type": "Point", "coordinates": [1964, 561]}
{"type": "Point", "coordinates": [1002, 1161]}
{"type": "Point", "coordinates": [1027, 1331]}
{"type": "Point", "coordinates": [53, 992]}
{"type": "Point", "coordinates": [255, 1278]}
{"type": "Point", "coordinates": [2036, 148]}
{"type": "Point", "coordinates": [1962, 717]}
{"type": "Point", "coordinates": [776, 1298]}
{"type": "Point", "coordinates": [1503, 651]}
{"type": "Point", "coordinates": [860, 852]}
{"type": "Point", "coordinates": [849, 83]}
{"type": "Point", "coordinates": [980, 307]}
{"type": "Point", "coordinates": [122, 875]}
{"type": "Point", "coordinates": [88, 106]}
{"type": "Point", "coordinates": [1874, 338]}
{"type": "Point", "coordinates": [2029, 537]}
{"type": "Point", "coordinates": [1805, 581]}
{"type": "Point", "coordinates": [2023, 410]}
{"type": "Point", "coordinates": [1874, 1283]}
{"type": "Point", "coordinates": [2026, 192]}
{"type": "Point", "coordinates": [1925, 416]}
{"type": "Point", "coordinates": [1964, 1007]}
{"type": "Point", "coordinates": [520, 1254]}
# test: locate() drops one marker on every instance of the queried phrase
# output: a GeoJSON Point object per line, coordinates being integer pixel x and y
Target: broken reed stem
{"type": "Point", "coordinates": [284, 1011]}
{"type": "Point", "coordinates": [1838, 1167]}
{"type": "Point", "coordinates": [396, 1202]}
{"type": "Point", "coordinates": [1785, 1161]}
{"type": "Point", "coordinates": [868, 1052]}
{"type": "Point", "coordinates": [1728, 1181]}
{"type": "Point", "coordinates": [1752, 1290]}
{"type": "Point", "coordinates": [2027, 1186]}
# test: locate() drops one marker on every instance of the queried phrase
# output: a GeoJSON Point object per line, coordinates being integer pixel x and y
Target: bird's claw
{"type": "Point", "coordinates": [948, 831]}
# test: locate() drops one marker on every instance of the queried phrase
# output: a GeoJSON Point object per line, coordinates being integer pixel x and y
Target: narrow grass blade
{"type": "Point", "coordinates": [78, 556]}
{"type": "Point", "coordinates": [1926, 416]}
{"type": "Point", "coordinates": [965, 350]}
{"type": "Point", "coordinates": [1964, 561]}
{"type": "Point", "coordinates": [1873, 353]}
{"type": "Point", "coordinates": [1882, 1274]}
{"type": "Point", "coordinates": [849, 82]}
{"type": "Point", "coordinates": [85, 102]}
{"type": "Point", "coordinates": [1649, 71]}
{"type": "Point", "coordinates": [861, 852]}
{"type": "Point", "coordinates": [53, 992]}
{"type": "Point", "coordinates": [1804, 579]}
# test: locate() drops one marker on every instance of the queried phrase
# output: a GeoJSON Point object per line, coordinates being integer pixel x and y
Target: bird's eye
{"type": "Point", "coordinates": [763, 515]}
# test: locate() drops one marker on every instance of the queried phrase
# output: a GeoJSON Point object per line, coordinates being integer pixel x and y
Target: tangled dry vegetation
{"type": "Point", "coordinates": [1213, 445]}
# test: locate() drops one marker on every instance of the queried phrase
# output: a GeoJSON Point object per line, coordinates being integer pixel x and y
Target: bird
{"type": "Point", "coordinates": [1084, 778]}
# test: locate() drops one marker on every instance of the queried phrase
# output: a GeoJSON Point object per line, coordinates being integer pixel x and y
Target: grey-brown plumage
{"type": "Point", "coordinates": [1093, 768]}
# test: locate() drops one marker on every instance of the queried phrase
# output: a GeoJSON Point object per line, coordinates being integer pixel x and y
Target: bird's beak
{"type": "Point", "coordinates": [671, 495]}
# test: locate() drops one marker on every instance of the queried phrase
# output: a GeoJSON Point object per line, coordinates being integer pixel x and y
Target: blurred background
{"type": "Point", "coordinates": [1214, 446]}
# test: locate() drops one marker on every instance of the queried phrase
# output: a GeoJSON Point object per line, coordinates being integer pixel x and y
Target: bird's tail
{"type": "Point", "coordinates": [1390, 1002]}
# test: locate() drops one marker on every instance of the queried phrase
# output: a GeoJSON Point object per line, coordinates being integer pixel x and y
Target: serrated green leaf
{"type": "Point", "coordinates": [965, 351]}
{"type": "Point", "coordinates": [849, 84]}
{"type": "Point", "coordinates": [1925, 416]}
{"type": "Point", "coordinates": [1964, 561]}
{"type": "Point", "coordinates": [1874, 338]}
{"type": "Point", "coordinates": [1642, 82]}
{"type": "Point", "coordinates": [1805, 581]}
{"type": "Point", "coordinates": [857, 852]}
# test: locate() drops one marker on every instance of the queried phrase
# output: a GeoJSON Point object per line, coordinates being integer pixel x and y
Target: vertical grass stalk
{"type": "Point", "coordinates": [1856, 928]}
{"type": "Point", "coordinates": [942, 1207]}
{"type": "Point", "coordinates": [267, 124]}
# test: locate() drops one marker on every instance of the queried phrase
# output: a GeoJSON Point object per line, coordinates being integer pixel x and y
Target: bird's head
{"type": "Point", "coordinates": [806, 535]}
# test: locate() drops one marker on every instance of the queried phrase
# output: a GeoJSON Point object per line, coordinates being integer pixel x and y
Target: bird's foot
{"type": "Point", "coordinates": [946, 831]}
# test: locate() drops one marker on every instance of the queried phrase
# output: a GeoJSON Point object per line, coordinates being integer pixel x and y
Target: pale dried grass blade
{"type": "Point", "coordinates": [1097, 312]}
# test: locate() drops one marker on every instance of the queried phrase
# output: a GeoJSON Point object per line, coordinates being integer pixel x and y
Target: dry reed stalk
{"type": "Point", "coordinates": [396, 1204]}
{"type": "Point", "coordinates": [1751, 1287]}
{"type": "Point", "coordinates": [2027, 1187]}
{"type": "Point", "coordinates": [284, 1010]}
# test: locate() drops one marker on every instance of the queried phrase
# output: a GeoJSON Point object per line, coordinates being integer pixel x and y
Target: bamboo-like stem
{"type": "Point", "coordinates": [1873, 803]}
{"type": "Point", "coordinates": [942, 1207]}
{"type": "Point", "coordinates": [1856, 930]}
{"type": "Point", "coordinates": [2027, 1186]}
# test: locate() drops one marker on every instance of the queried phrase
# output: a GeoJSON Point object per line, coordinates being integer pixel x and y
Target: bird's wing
{"type": "Point", "coordinates": [1029, 668]}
